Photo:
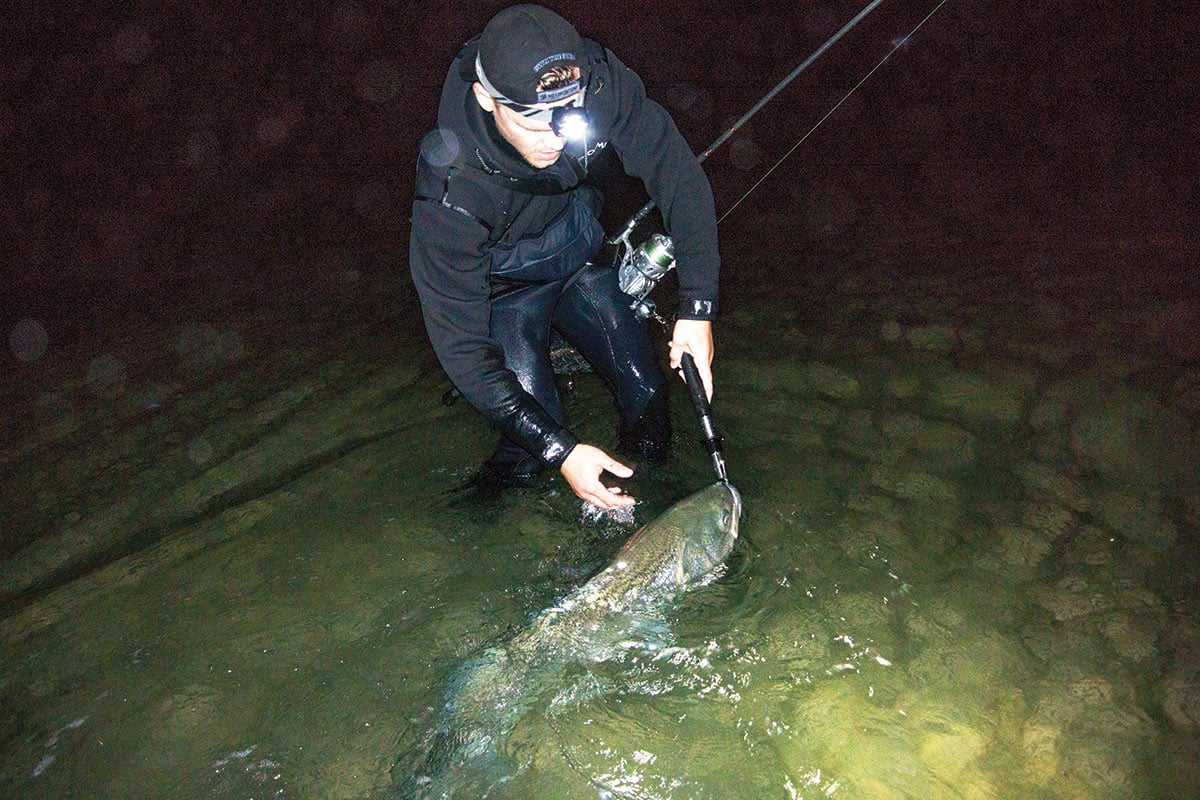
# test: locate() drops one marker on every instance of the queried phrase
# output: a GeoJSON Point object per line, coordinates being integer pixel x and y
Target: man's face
{"type": "Point", "coordinates": [535, 141]}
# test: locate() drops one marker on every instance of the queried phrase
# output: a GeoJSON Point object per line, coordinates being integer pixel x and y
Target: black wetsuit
{"type": "Point", "coordinates": [497, 248]}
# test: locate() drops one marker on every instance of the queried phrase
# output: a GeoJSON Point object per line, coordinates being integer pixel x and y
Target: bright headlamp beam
{"type": "Point", "coordinates": [569, 122]}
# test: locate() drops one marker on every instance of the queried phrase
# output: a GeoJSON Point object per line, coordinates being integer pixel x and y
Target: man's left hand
{"type": "Point", "coordinates": [694, 336]}
{"type": "Point", "coordinates": [583, 468]}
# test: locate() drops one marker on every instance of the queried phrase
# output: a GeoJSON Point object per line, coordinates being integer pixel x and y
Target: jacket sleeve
{"type": "Point", "coordinates": [449, 270]}
{"type": "Point", "coordinates": [652, 149]}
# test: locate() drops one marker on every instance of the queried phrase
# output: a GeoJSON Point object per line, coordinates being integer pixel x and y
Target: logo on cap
{"type": "Point", "coordinates": [551, 59]}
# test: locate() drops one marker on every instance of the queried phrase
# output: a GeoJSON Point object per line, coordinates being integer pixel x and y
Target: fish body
{"type": "Point", "coordinates": [684, 547]}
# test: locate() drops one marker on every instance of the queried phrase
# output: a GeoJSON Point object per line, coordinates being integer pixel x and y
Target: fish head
{"type": "Point", "coordinates": [709, 532]}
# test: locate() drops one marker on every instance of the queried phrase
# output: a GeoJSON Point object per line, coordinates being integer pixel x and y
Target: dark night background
{"type": "Point", "coordinates": [160, 157]}
{"type": "Point", "coordinates": [188, 186]}
{"type": "Point", "coordinates": [172, 169]}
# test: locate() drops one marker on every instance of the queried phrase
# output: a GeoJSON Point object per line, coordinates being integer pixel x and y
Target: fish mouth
{"type": "Point", "coordinates": [737, 507]}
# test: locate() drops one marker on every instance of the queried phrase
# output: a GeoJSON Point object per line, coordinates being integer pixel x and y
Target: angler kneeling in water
{"type": "Point", "coordinates": [503, 228]}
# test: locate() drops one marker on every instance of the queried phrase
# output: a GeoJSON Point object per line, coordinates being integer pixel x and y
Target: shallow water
{"type": "Point", "coordinates": [958, 372]}
{"type": "Point", "coordinates": [967, 569]}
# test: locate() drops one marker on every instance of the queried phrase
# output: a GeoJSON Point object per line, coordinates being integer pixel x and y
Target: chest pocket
{"type": "Point", "coordinates": [562, 248]}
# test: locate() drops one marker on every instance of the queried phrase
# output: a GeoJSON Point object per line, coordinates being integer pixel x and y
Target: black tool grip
{"type": "Point", "coordinates": [700, 402]}
{"type": "Point", "coordinates": [711, 439]}
{"type": "Point", "coordinates": [691, 376]}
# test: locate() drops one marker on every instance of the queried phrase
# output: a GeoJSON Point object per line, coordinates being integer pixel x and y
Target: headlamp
{"type": "Point", "coordinates": [570, 122]}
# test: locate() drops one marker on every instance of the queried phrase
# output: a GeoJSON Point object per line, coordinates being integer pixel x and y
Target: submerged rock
{"type": "Point", "coordinates": [995, 400]}
{"type": "Point", "coordinates": [834, 382]}
{"type": "Point", "coordinates": [954, 447]}
{"type": "Point", "coordinates": [1179, 692]}
{"type": "Point", "coordinates": [915, 484]}
{"type": "Point", "coordinates": [1044, 481]}
{"type": "Point", "coordinates": [1047, 520]}
{"type": "Point", "coordinates": [1021, 547]}
{"type": "Point", "coordinates": [934, 725]}
{"type": "Point", "coordinates": [864, 623]}
{"type": "Point", "coordinates": [1071, 598]}
{"type": "Point", "coordinates": [903, 387]}
{"type": "Point", "coordinates": [1133, 635]}
{"type": "Point", "coordinates": [1180, 700]}
{"type": "Point", "coordinates": [874, 527]}
{"type": "Point", "coordinates": [1089, 545]}
{"type": "Point", "coordinates": [1085, 738]}
{"type": "Point", "coordinates": [796, 642]}
{"type": "Point", "coordinates": [1138, 518]}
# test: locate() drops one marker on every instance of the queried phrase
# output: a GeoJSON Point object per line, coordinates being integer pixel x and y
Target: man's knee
{"type": "Point", "coordinates": [647, 435]}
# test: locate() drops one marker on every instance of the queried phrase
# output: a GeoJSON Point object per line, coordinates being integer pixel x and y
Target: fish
{"type": "Point", "coordinates": [615, 610]}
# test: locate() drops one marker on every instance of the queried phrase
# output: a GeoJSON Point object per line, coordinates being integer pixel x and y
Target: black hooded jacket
{"type": "Point", "coordinates": [474, 193]}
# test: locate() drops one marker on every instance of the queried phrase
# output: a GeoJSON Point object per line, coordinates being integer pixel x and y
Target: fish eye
{"type": "Point", "coordinates": [726, 517]}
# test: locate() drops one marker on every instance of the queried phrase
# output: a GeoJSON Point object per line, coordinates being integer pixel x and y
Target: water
{"type": "Point", "coordinates": [967, 567]}
{"type": "Point", "coordinates": [958, 374]}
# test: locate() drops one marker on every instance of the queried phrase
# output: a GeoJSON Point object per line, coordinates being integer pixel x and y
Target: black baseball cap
{"type": "Point", "coordinates": [519, 47]}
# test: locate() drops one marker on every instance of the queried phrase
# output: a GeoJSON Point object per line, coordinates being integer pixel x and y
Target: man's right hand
{"type": "Point", "coordinates": [583, 468]}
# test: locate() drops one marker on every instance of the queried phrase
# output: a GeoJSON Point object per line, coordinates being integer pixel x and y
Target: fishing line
{"type": "Point", "coordinates": [623, 237]}
{"type": "Point", "coordinates": [901, 42]}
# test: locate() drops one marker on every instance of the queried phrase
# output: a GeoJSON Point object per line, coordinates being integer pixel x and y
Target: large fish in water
{"type": "Point", "coordinates": [683, 548]}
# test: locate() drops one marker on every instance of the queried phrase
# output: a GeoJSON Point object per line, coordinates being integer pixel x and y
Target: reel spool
{"type": "Point", "coordinates": [639, 269]}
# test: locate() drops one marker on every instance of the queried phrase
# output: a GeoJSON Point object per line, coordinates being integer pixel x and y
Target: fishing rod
{"type": "Point", "coordinates": [640, 268]}
{"type": "Point", "coordinates": [768, 97]}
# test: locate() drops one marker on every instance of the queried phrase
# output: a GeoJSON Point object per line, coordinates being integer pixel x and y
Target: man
{"type": "Point", "coordinates": [503, 228]}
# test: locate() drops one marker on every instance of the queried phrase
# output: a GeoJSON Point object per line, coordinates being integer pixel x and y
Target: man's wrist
{"type": "Point", "coordinates": [558, 448]}
{"type": "Point", "coordinates": [704, 310]}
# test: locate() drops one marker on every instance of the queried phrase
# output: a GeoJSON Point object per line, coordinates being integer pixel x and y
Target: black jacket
{"type": "Point", "coordinates": [474, 192]}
